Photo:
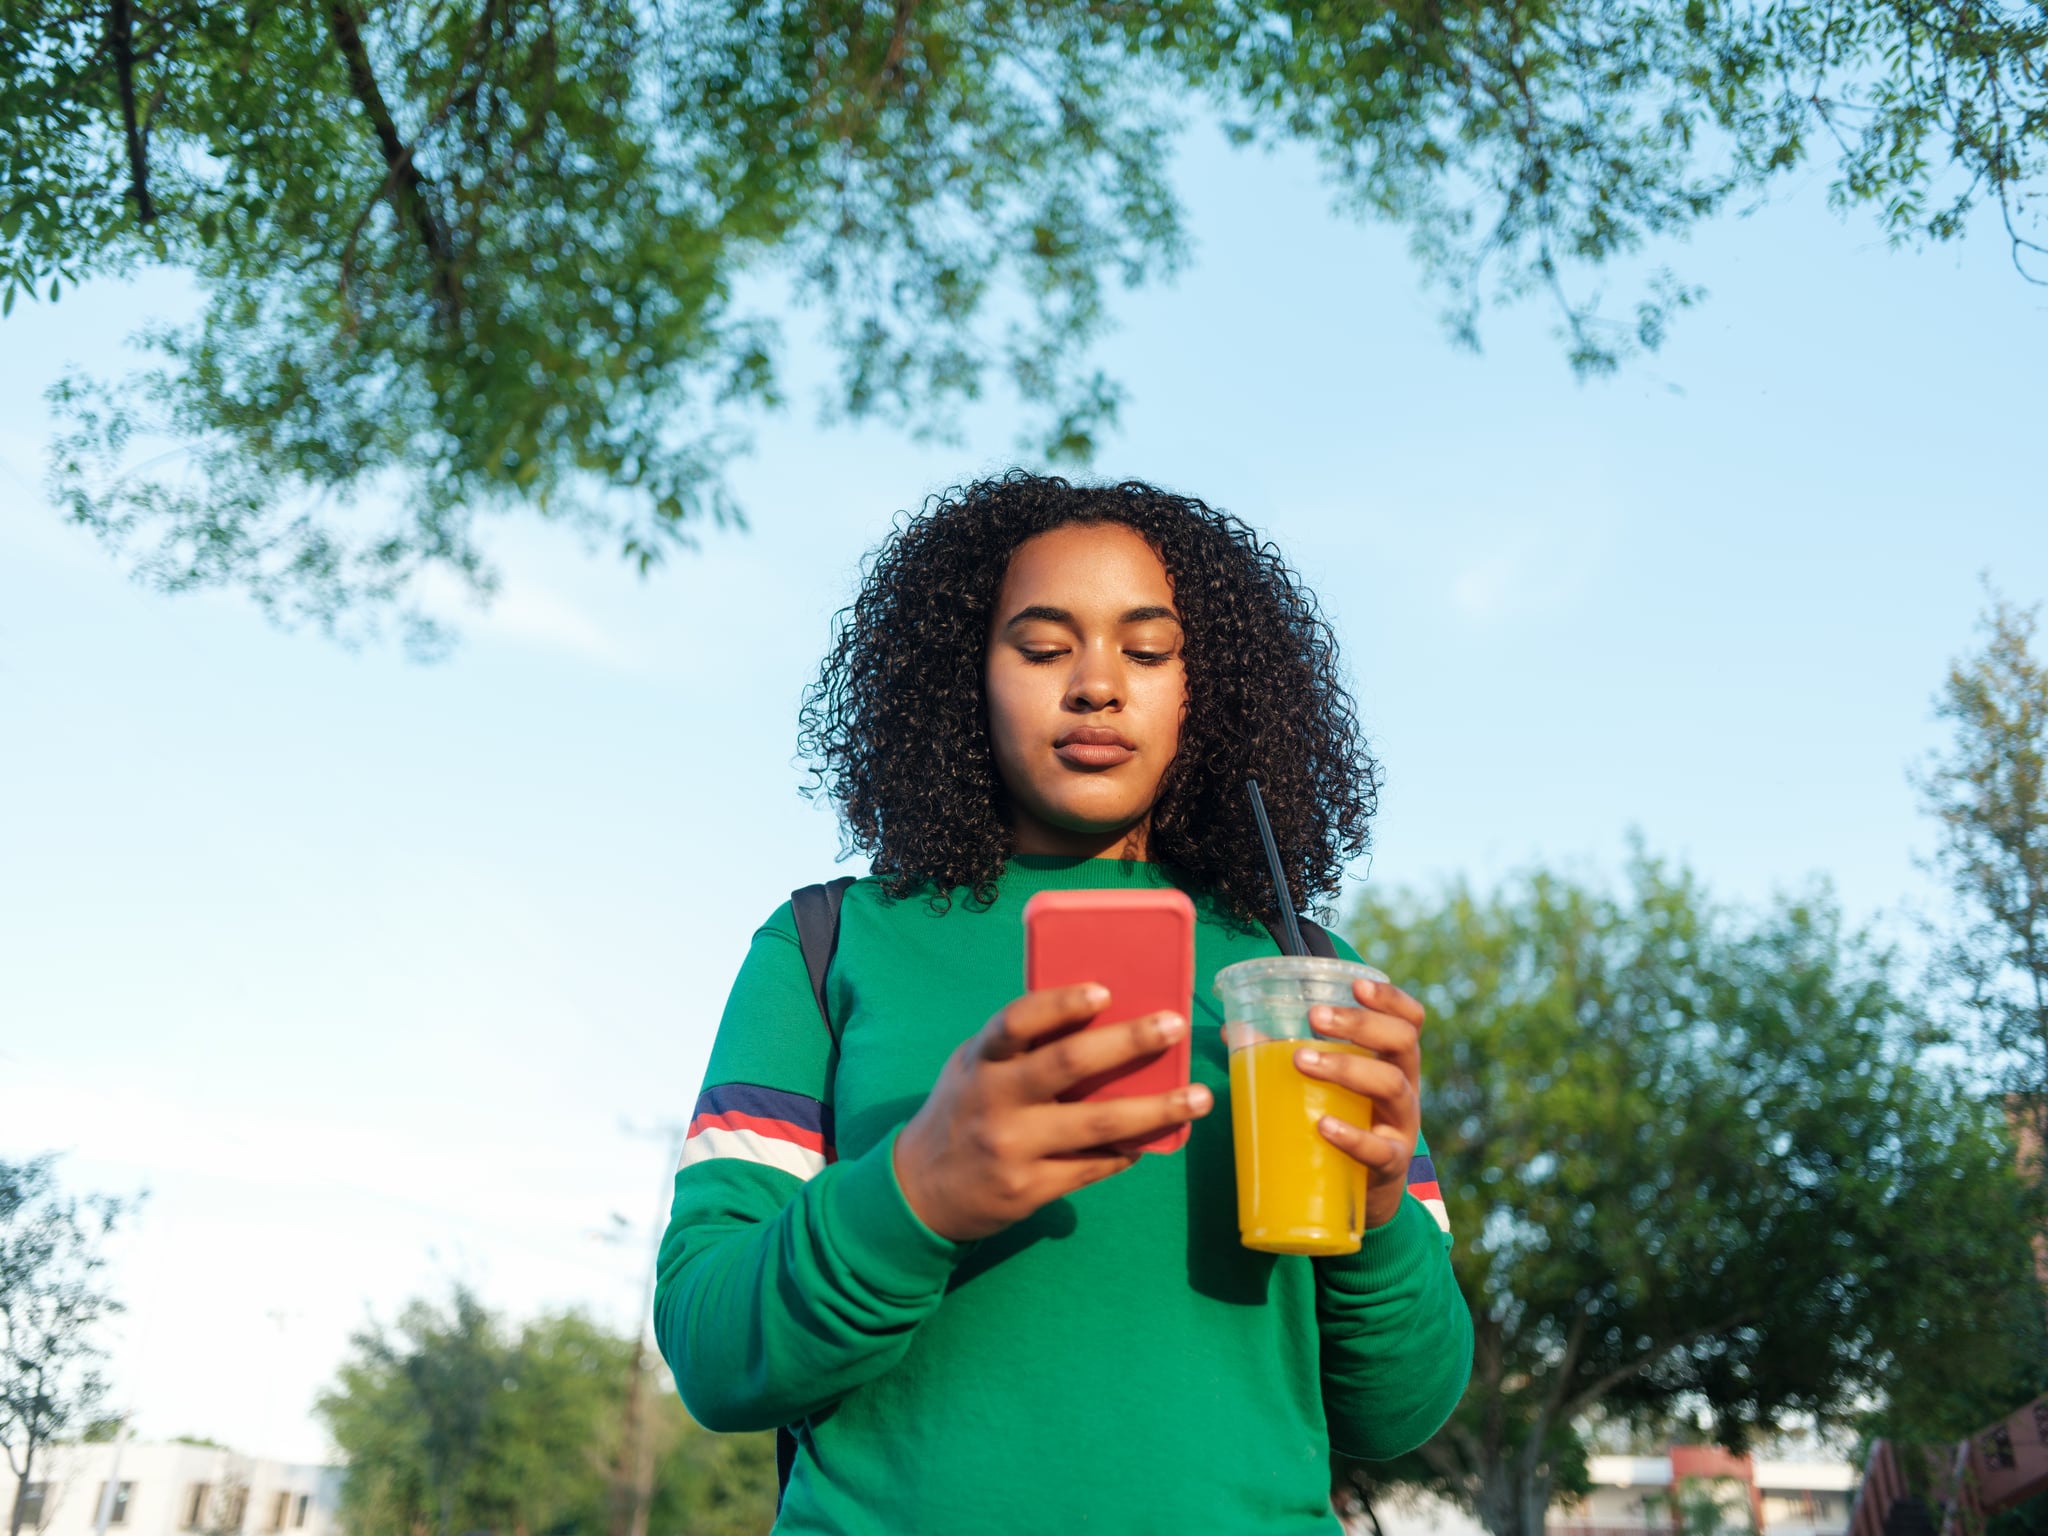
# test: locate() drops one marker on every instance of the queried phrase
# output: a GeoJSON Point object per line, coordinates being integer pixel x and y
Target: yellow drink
{"type": "Point", "coordinates": [1296, 1193]}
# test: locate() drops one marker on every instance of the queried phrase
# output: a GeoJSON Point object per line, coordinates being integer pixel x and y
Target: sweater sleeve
{"type": "Point", "coordinates": [1396, 1337]}
{"type": "Point", "coordinates": [786, 1277]}
{"type": "Point", "coordinates": [1396, 1333]}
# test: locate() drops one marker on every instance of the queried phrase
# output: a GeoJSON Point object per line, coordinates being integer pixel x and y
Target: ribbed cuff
{"type": "Point", "coordinates": [881, 1236]}
{"type": "Point", "coordinates": [1388, 1254]}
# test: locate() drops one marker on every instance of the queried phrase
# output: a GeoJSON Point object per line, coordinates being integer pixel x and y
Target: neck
{"type": "Point", "coordinates": [1035, 837]}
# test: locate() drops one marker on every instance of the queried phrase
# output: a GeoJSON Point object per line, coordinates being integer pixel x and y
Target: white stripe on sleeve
{"type": "Point", "coordinates": [752, 1147]}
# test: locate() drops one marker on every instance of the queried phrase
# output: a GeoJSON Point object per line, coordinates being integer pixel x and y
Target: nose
{"type": "Point", "coordinates": [1097, 680]}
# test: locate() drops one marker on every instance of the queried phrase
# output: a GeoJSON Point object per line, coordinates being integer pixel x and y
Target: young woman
{"type": "Point", "coordinates": [974, 1317]}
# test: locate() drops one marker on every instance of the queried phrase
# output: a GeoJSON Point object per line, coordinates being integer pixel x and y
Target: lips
{"type": "Point", "coordinates": [1095, 747]}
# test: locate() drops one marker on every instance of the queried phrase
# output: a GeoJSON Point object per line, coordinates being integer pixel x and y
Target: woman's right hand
{"type": "Point", "coordinates": [993, 1142]}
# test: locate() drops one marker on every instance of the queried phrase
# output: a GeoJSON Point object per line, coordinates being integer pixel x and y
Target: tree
{"type": "Point", "coordinates": [52, 1302]}
{"type": "Point", "coordinates": [451, 1422]}
{"type": "Point", "coordinates": [1989, 794]}
{"type": "Point", "coordinates": [1704, 1506]}
{"type": "Point", "coordinates": [515, 253]}
{"type": "Point", "coordinates": [1527, 146]}
{"type": "Point", "coordinates": [713, 1485]}
{"type": "Point", "coordinates": [487, 254]}
{"type": "Point", "coordinates": [1701, 1171]}
{"type": "Point", "coordinates": [223, 1509]}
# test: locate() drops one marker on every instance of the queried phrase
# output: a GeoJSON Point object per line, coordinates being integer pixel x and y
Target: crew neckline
{"type": "Point", "coordinates": [1032, 872]}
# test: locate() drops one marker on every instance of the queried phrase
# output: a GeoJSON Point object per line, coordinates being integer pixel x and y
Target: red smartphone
{"type": "Point", "coordinates": [1140, 945]}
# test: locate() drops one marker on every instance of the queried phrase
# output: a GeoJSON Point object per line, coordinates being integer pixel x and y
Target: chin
{"type": "Point", "coordinates": [1093, 819]}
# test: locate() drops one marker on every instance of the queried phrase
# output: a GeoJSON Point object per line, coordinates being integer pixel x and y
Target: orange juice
{"type": "Point", "coordinates": [1296, 1193]}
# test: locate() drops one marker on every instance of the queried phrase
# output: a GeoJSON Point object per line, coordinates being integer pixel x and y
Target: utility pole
{"type": "Point", "coordinates": [635, 1477]}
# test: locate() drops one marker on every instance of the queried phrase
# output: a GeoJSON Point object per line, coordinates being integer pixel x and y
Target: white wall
{"type": "Point", "coordinates": [1800, 1498]}
{"type": "Point", "coordinates": [160, 1480]}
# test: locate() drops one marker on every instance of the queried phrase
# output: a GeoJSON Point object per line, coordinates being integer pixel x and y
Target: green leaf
{"type": "Point", "coordinates": [1707, 1140]}
{"type": "Point", "coordinates": [956, 198]}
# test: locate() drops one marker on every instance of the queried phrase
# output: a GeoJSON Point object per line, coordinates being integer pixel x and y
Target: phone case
{"type": "Point", "coordinates": [1140, 945]}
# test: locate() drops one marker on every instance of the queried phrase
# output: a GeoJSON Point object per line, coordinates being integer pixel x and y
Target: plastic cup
{"type": "Point", "coordinates": [1296, 1193]}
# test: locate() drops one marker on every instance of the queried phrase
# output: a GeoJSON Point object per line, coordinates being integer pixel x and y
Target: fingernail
{"type": "Point", "coordinates": [1320, 1014]}
{"type": "Point", "coordinates": [1308, 1058]}
{"type": "Point", "coordinates": [1096, 994]}
{"type": "Point", "coordinates": [1198, 1099]}
{"type": "Point", "coordinates": [1330, 1125]}
{"type": "Point", "coordinates": [1172, 1026]}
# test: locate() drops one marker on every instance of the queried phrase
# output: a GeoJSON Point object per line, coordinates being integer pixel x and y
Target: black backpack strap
{"type": "Point", "coordinates": [816, 910]}
{"type": "Point", "coordinates": [785, 1462]}
{"type": "Point", "coordinates": [1314, 935]}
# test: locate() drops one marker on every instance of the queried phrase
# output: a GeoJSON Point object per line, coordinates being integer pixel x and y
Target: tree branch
{"type": "Point", "coordinates": [121, 41]}
{"type": "Point", "coordinates": [407, 187]}
{"type": "Point", "coordinates": [899, 38]}
{"type": "Point", "coordinates": [1605, 1384]}
{"type": "Point", "coordinates": [1547, 1414]}
{"type": "Point", "coordinates": [1488, 1358]}
{"type": "Point", "coordinates": [1452, 1466]}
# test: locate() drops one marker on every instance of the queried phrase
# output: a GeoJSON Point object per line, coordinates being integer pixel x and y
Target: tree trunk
{"type": "Point", "coordinates": [28, 1467]}
{"type": "Point", "coordinates": [1510, 1501]}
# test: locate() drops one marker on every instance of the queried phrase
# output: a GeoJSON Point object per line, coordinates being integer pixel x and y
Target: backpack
{"type": "Point", "coordinates": [816, 910]}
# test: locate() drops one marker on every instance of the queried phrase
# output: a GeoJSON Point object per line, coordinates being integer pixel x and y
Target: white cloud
{"type": "Point", "coordinates": [525, 613]}
{"type": "Point", "coordinates": [1513, 574]}
{"type": "Point", "coordinates": [1485, 588]}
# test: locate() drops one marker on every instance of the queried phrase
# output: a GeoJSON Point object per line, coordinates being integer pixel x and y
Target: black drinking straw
{"type": "Point", "coordinates": [1289, 928]}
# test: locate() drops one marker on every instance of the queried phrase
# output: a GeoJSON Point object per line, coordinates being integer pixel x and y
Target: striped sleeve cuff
{"type": "Point", "coordinates": [764, 1126]}
{"type": "Point", "coordinates": [1423, 1186]}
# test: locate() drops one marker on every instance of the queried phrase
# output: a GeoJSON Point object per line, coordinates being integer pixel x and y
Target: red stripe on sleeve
{"type": "Point", "coordinates": [781, 1130]}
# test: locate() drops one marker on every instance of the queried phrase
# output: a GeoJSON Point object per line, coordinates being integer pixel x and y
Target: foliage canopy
{"type": "Point", "coordinates": [53, 1299]}
{"type": "Point", "coordinates": [488, 254]}
{"type": "Point", "coordinates": [1703, 1176]}
{"type": "Point", "coordinates": [452, 1422]}
{"type": "Point", "coordinates": [1988, 792]}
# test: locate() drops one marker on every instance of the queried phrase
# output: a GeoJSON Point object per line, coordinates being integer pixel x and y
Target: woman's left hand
{"type": "Point", "coordinates": [1388, 1023]}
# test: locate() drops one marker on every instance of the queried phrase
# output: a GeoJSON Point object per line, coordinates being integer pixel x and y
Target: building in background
{"type": "Point", "coordinates": [175, 1489]}
{"type": "Point", "coordinates": [1649, 1495]}
{"type": "Point", "coordinates": [1645, 1495]}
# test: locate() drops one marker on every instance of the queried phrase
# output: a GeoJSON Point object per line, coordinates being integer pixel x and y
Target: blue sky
{"type": "Point", "coordinates": [373, 973]}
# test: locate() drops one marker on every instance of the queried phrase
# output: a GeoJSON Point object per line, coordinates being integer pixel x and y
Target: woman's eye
{"type": "Point", "coordinates": [1054, 655]}
{"type": "Point", "coordinates": [1149, 658]}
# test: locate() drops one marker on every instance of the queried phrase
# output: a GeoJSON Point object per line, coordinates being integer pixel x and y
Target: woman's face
{"type": "Point", "coordinates": [1086, 688]}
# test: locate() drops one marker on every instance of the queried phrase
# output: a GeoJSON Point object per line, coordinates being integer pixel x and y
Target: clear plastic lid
{"type": "Point", "coordinates": [1269, 999]}
{"type": "Point", "coordinates": [1292, 971]}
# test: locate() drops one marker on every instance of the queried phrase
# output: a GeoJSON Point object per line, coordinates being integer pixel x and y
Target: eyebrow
{"type": "Point", "coordinates": [1050, 615]}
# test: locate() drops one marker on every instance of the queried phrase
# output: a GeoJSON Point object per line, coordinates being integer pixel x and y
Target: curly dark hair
{"type": "Point", "coordinates": [895, 728]}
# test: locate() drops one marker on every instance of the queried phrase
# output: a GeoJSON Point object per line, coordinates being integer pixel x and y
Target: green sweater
{"type": "Point", "coordinates": [1117, 1362]}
